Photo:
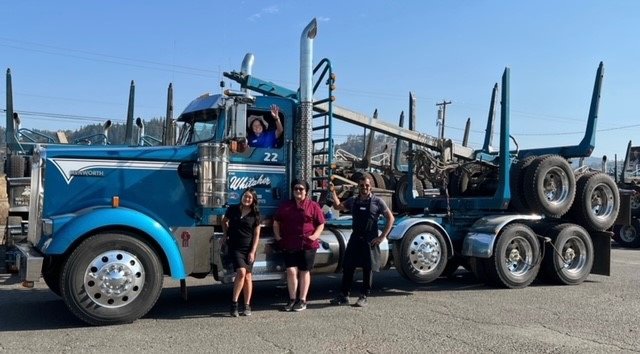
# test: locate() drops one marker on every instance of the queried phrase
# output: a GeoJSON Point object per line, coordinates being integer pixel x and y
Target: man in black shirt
{"type": "Point", "coordinates": [364, 242]}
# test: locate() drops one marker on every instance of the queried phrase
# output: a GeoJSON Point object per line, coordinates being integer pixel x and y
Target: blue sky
{"type": "Point", "coordinates": [77, 58]}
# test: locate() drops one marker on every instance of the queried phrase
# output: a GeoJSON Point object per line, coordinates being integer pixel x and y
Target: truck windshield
{"type": "Point", "coordinates": [194, 131]}
{"type": "Point", "coordinates": [199, 127]}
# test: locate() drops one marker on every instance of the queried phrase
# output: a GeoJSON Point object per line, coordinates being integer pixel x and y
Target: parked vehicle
{"type": "Point", "coordinates": [107, 223]}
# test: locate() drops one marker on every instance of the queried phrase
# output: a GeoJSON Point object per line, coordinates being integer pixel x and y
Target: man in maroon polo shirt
{"type": "Point", "coordinates": [297, 225]}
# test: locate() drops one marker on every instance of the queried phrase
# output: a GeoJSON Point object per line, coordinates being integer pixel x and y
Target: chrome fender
{"type": "Point", "coordinates": [483, 233]}
{"type": "Point", "coordinates": [402, 226]}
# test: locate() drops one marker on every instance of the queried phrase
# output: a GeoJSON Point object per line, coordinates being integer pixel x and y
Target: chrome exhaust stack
{"type": "Point", "coordinates": [303, 145]}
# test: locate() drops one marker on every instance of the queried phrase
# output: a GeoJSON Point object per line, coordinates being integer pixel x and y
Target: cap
{"type": "Point", "coordinates": [252, 118]}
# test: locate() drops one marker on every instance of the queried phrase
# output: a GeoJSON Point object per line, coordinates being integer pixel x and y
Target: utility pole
{"type": "Point", "coordinates": [442, 119]}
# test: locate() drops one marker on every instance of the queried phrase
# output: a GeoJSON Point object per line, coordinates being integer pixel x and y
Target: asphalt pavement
{"type": "Point", "coordinates": [448, 315]}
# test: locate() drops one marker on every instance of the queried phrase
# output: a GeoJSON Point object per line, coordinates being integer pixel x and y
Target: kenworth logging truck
{"type": "Point", "coordinates": [106, 224]}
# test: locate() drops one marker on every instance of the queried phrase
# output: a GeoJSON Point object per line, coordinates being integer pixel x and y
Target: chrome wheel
{"type": "Point", "coordinates": [574, 255]}
{"type": "Point", "coordinates": [114, 278]}
{"type": "Point", "coordinates": [425, 252]}
{"type": "Point", "coordinates": [569, 257]}
{"type": "Point", "coordinates": [602, 201]}
{"type": "Point", "coordinates": [556, 186]}
{"type": "Point", "coordinates": [515, 260]}
{"type": "Point", "coordinates": [518, 256]}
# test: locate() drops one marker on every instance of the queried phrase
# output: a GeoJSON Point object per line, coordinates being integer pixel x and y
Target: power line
{"type": "Point", "coordinates": [171, 67]}
{"type": "Point", "coordinates": [66, 117]}
{"type": "Point", "coordinates": [189, 70]}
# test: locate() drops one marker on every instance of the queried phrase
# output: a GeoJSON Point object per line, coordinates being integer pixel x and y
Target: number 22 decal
{"type": "Point", "coordinates": [270, 157]}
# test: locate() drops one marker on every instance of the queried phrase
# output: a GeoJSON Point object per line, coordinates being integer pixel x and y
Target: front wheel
{"type": "Point", "coordinates": [51, 269]}
{"type": "Point", "coordinates": [111, 279]}
{"type": "Point", "coordinates": [516, 257]}
{"type": "Point", "coordinates": [423, 254]}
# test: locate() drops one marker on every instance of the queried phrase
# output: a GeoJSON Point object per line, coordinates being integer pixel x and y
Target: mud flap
{"type": "Point", "coordinates": [624, 214]}
{"type": "Point", "coordinates": [601, 253]}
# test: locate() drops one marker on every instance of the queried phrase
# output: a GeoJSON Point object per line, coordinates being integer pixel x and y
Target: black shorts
{"type": "Point", "coordinates": [240, 259]}
{"type": "Point", "coordinates": [302, 259]}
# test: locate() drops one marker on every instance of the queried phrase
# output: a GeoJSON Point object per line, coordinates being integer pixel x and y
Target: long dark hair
{"type": "Point", "coordinates": [254, 203]}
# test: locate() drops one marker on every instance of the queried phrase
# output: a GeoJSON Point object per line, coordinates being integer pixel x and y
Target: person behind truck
{"type": "Point", "coordinates": [260, 136]}
{"type": "Point", "coordinates": [241, 228]}
{"type": "Point", "coordinates": [363, 248]}
{"type": "Point", "coordinates": [297, 226]}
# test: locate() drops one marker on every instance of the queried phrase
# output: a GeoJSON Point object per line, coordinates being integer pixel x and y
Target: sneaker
{"type": "Point", "coordinates": [340, 300]}
{"type": "Point", "coordinates": [362, 301]}
{"type": "Point", "coordinates": [289, 306]}
{"type": "Point", "coordinates": [234, 310]}
{"type": "Point", "coordinates": [300, 305]}
{"type": "Point", "coordinates": [247, 310]}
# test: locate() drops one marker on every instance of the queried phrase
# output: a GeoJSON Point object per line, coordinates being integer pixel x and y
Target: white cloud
{"type": "Point", "coordinates": [271, 10]}
{"type": "Point", "coordinates": [323, 19]}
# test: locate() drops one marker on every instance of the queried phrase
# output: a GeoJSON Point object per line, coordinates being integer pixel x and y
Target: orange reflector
{"type": "Point", "coordinates": [115, 201]}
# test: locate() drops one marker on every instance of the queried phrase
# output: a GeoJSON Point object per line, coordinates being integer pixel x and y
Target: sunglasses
{"type": "Point", "coordinates": [298, 189]}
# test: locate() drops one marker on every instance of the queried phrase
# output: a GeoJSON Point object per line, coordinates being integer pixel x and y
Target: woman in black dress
{"type": "Point", "coordinates": [241, 227]}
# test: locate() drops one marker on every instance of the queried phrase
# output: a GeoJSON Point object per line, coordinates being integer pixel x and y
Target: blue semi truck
{"type": "Point", "coordinates": [107, 224]}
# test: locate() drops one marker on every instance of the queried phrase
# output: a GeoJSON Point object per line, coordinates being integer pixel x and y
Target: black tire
{"type": "Point", "coordinates": [51, 268]}
{"type": "Point", "coordinates": [518, 198]}
{"type": "Point", "coordinates": [550, 186]}
{"type": "Point", "coordinates": [568, 260]}
{"type": "Point", "coordinates": [516, 257]}
{"type": "Point", "coordinates": [99, 301]}
{"type": "Point", "coordinates": [423, 254]}
{"type": "Point", "coordinates": [390, 182]}
{"type": "Point", "coordinates": [378, 181]}
{"type": "Point", "coordinates": [395, 253]}
{"type": "Point", "coordinates": [356, 176]}
{"type": "Point", "coordinates": [450, 269]}
{"type": "Point", "coordinates": [478, 268]}
{"type": "Point", "coordinates": [597, 201]}
{"type": "Point", "coordinates": [402, 188]}
{"type": "Point", "coordinates": [16, 166]}
{"type": "Point", "coordinates": [463, 181]}
{"type": "Point", "coordinates": [629, 235]}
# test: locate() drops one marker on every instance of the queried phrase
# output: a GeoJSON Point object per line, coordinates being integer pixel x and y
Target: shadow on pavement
{"type": "Point", "coordinates": [38, 309]}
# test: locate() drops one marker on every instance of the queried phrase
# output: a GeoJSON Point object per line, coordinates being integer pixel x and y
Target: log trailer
{"type": "Point", "coordinates": [107, 224]}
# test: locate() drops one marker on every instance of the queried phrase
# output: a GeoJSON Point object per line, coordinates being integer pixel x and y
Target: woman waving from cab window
{"type": "Point", "coordinates": [260, 136]}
